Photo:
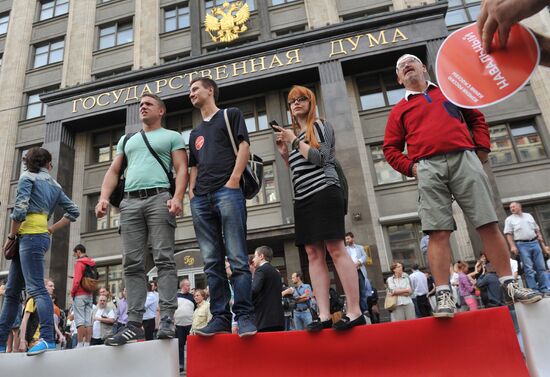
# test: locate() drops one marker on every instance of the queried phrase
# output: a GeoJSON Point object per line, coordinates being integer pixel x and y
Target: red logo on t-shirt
{"type": "Point", "coordinates": [199, 142]}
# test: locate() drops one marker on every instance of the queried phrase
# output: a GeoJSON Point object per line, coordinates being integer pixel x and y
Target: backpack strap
{"type": "Point", "coordinates": [228, 125]}
{"type": "Point", "coordinates": [124, 159]}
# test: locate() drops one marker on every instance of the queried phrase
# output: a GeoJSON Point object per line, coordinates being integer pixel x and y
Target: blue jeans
{"type": "Point", "coordinates": [302, 319]}
{"type": "Point", "coordinates": [27, 270]}
{"type": "Point", "coordinates": [219, 219]}
{"type": "Point", "coordinates": [533, 265]}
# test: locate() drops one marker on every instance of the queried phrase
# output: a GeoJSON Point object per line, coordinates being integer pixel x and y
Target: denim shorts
{"type": "Point", "coordinates": [82, 308]}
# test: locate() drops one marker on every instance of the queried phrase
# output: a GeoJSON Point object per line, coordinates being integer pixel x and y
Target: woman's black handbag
{"type": "Point", "coordinates": [11, 248]}
{"type": "Point", "coordinates": [253, 174]}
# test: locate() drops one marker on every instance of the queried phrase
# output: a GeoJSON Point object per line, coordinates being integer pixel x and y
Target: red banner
{"type": "Point", "coordinates": [471, 78]}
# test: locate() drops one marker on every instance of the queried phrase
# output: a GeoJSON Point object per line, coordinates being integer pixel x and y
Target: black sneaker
{"type": "Point", "coordinates": [345, 323]}
{"type": "Point", "coordinates": [128, 334]}
{"type": "Point", "coordinates": [166, 328]}
{"type": "Point", "coordinates": [445, 305]}
{"type": "Point", "coordinates": [513, 293]}
{"type": "Point", "coordinates": [217, 325]}
{"type": "Point", "coordinates": [318, 325]}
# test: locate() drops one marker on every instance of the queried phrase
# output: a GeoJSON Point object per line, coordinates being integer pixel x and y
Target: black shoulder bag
{"type": "Point", "coordinates": [169, 174]}
{"type": "Point", "coordinates": [253, 174]}
{"type": "Point", "coordinates": [339, 172]}
{"type": "Point", "coordinates": [118, 193]}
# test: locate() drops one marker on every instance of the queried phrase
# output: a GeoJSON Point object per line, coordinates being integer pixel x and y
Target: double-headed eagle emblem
{"type": "Point", "coordinates": [227, 21]}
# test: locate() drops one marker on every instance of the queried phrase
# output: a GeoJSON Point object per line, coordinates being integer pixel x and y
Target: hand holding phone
{"type": "Point", "coordinates": [275, 126]}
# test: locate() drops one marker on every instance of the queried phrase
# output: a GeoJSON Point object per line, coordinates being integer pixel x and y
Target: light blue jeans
{"type": "Point", "coordinates": [27, 270]}
{"type": "Point", "coordinates": [533, 265]}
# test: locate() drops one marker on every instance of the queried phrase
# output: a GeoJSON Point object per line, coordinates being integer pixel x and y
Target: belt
{"type": "Point", "coordinates": [534, 239]}
{"type": "Point", "coordinates": [301, 310]}
{"type": "Point", "coordinates": [144, 193]}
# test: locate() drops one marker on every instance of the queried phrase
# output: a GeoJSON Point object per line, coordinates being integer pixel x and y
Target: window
{"type": "Point", "coordinates": [379, 90]}
{"type": "Point", "coordinates": [279, 2]}
{"type": "Point", "coordinates": [53, 8]}
{"type": "Point", "coordinates": [49, 53]}
{"type": "Point", "coordinates": [4, 20]}
{"type": "Point", "coordinates": [177, 57]}
{"type": "Point", "coordinates": [462, 11]}
{"type": "Point", "coordinates": [254, 113]}
{"type": "Point", "coordinates": [384, 172]}
{"type": "Point", "coordinates": [109, 221]}
{"type": "Point", "coordinates": [515, 142]}
{"type": "Point", "coordinates": [176, 18]}
{"type": "Point", "coordinates": [405, 244]}
{"type": "Point", "coordinates": [364, 14]}
{"type": "Point", "coordinates": [114, 35]}
{"type": "Point", "coordinates": [290, 31]}
{"type": "Point", "coordinates": [35, 107]}
{"type": "Point", "coordinates": [268, 192]}
{"type": "Point", "coordinates": [104, 145]}
{"type": "Point", "coordinates": [110, 277]}
{"type": "Point", "coordinates": [209, 4]}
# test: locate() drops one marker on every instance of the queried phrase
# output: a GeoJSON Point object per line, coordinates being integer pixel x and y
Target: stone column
{"type": "Point", "coordinates": [321, 13]}
{"type": "Point", "coordinates": [79, 43]}
{"type": "Point", "coordinates": [196, 25]}
{"type": "Point", "coordinates": [540, 81]}
{"type": "Point", "coordinates": [12, 79]}
{"type": "Point", "coordinates": [146, 34]}
{"type": "Point", "coordinates": [60, 142]}
{"type": "Point", "coordinates": [292, 259]}
{"type": "Point", "coordinates": [373, 233]}
{"type": "Point", "coordinates": [133, 124]}
{"type": "Point", "coordinates": [339, 111]}
{"type": "Point", "coordinates": [265, 24]}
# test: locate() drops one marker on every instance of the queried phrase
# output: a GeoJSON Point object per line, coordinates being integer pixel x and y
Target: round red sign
{"type": "Point", "coordinates": [471, 78]}
{"type": "Point", "coordinates": [199, 142]}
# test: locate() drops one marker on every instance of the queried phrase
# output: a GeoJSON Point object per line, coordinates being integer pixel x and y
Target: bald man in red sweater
{"type": "Point", "coordinates": [446, 147]}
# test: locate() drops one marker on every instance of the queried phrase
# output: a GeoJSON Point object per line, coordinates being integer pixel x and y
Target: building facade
{"type": "Point", "coordinates": [73, 72]}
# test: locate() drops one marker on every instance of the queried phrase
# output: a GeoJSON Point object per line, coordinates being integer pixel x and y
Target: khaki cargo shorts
{"type": "Point", "coordinates": [459, 175]}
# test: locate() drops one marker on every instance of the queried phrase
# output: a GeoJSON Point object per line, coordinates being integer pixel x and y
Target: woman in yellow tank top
{"type": "Point", "coordinates": [37, 196]}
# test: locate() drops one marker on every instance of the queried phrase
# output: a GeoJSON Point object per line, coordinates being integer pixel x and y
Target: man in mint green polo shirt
{"type": "Point", "coordinates": [148, 213]}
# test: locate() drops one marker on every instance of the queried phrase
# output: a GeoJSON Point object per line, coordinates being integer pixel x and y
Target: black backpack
{"type": "Point", "coordinates": [89, 278]}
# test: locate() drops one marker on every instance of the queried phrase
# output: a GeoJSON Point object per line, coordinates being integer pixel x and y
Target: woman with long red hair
{"type": "Point", "coordinates": [318, 206]}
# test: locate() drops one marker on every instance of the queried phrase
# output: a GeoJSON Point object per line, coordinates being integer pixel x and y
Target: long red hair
{"type": "Point", "coordinates": [302, 91]}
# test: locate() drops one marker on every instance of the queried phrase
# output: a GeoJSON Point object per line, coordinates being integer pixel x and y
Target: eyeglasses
{"type": "Point", "coordinates": [402, 64]}
{"type": "Point", "coordinates": [297, 100]}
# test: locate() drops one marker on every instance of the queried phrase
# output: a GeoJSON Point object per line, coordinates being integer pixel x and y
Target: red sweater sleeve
{"type": "Point", "coordinates": [78, 270]}
{"type": "Point", "coordinates": [394, 144]}
{"type": "Point", "coordinates": [479, 128]}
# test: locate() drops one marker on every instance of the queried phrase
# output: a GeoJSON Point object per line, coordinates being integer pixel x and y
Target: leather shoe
{"type": "Point", "coordinates": [318, 325]}
{"type": "Point", "coordinates": [345, 323]}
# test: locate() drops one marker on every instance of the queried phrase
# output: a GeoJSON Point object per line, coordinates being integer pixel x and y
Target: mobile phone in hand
{"type": "Point", "coordinates": [273, 125]}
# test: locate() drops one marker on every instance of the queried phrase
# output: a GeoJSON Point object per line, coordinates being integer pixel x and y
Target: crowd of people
{"type": "Point", "coordinates": [446, 149]}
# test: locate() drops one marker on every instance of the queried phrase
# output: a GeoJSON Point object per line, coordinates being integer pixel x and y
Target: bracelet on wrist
{"type": "Point", "coordinates": [296, 143]}
{"type": "Point", "coordinates": [11, 237]}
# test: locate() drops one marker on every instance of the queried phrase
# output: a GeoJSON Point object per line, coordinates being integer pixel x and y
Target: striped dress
{"type": "Point", "coordinates": [317, 172]}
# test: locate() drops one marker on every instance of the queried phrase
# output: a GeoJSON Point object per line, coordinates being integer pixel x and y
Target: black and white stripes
{"type": "Point", "coordinates": [317, 171]}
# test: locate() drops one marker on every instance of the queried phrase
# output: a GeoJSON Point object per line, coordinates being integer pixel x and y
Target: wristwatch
{"type": "Point", "coordinates": [296, 143]}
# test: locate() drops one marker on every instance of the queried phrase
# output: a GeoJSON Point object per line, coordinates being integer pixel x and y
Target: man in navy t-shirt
{"type": "Point", "coordinates": [219, 209]}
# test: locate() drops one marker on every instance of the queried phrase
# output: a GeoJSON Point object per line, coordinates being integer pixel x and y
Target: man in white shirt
{"type": "Point", "coordinates": [357, 254]}
{"type": "Point", "coordinates": [183, 317]}
{"type": "Point", "coordinates": [103, 318]}
{"type": "Point", "coordinates": [419, 285]}
{"type": "Point", "coordinates": [524, 237]}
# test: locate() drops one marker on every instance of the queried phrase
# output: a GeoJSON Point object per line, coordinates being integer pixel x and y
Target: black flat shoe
{"type": "Point", "coordinates": [319, 325]}
{"type": "Point", "coordinates": [345, 323]}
